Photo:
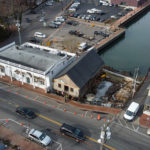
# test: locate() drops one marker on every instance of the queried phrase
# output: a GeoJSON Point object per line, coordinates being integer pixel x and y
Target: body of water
{"type": "Point", "coordinates": [133, 50]}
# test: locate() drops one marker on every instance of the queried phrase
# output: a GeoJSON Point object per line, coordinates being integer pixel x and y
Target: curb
{"type": "Point", "coordinates": [72, 103]}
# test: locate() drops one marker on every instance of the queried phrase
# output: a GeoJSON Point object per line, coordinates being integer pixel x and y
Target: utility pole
{"type": "Point", "coordinates": [134, 80]}
{"type": "Point", "coordinates": [105, 134]}
{"type": "Point", "coordinates": [19, 26]}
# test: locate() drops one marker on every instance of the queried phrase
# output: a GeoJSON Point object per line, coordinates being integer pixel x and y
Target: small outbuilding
{"type": "Point", "coordinates": [77, 79]}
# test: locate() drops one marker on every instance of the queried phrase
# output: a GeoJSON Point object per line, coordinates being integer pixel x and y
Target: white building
{"type": "Point", "coordinates": [33, 64]}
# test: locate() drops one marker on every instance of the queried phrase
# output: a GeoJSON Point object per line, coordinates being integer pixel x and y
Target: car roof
{"type": "Point", "coordinates": [35, 133]}
{"type": "Point", "coordinates": [38, 33]}
{"type": "Point", "coordinates": [67, 127]}
{"type": "Point", "coordinates": [133, 106]}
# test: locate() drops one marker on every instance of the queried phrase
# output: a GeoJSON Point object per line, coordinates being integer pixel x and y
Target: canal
{"type": "Point", "coordinates": [133, 50]}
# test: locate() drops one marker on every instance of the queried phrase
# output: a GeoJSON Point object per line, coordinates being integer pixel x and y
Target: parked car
{"type": "Point", "coordinates": [102, 20]}
{"type": "Point", "coordinates": [73, 132]}
{"type": "Point", "coordinates": [39, 34]}
{"type": "Point", "coordinates": [60, 19]}
{"type": "Point", "coordinates": [82, 46]}
{"type": "Point", "coordinates": [33, 11]}
{"type": "Point", "coordinates": [97, 18]}
{"type": "Point", "coordinates": [83, 17]}
{"type": "Point", "coordinates": [114, 17]}
{"type": "Point", "coordinates": [34, 40]}
{"type": "Point", "coordinates": [3, 146]}
{"type": "Point", "coordinates": [72, 32]}
{"type": "Point", "coordinates": [88, 17]}
{"type": "Point", "coordinates": [42, 19]}
{"type": "Point", "coordinates": [71, 9]}
{"type": "Point", "coordinates": [39, 137]}
{"type": "Point", "coordinates": [53, 25]}
{"type": "Point", "coordinates": [94, 10]}
{"type": "Point", "coordinates": [70, 22]}
{"type": "Point", "coordinates": [57, 22]}
{"type": "Point", "coordinates": [131, 111]}
{"type": "Point", "coordinates": [27, 20]}
{"type": "Point", "coordinates": [75, 15]}
{"type": "Point", "coordinates": [25, 112]}
{"type": "Point", "coordinates": [49, 3]}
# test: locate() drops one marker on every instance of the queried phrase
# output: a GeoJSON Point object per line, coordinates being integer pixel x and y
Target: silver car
{"type": "Point", "coordinates": [39, 137]}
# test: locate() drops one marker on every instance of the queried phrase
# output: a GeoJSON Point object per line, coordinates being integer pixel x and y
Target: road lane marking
{"type": "Point", "coordinates": [48, 119]}
{"type": "Point", "coordinates": [16, 105]}
{"type": "Point", "coordinates": [59, 124]}
{"type": "Point", "coordinates": [94, 140]}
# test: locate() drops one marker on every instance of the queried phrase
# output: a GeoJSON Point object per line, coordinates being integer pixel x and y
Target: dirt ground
{"type": "Point", "coordinates": [15, 141]}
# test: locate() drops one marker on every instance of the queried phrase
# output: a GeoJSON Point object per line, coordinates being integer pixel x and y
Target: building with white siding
{"type": "Point", "coordinates": [33, 64]}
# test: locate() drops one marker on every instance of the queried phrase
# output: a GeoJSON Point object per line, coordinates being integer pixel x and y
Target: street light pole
{"type": "Point", "coordinates": [105, 134]}
{"type": "Point", "coordinates": [19, 26]}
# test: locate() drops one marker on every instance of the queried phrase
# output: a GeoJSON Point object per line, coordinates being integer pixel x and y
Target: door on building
{"type": "Point", "coordinates": [66, 88]}
{"type": "Point", "coordinates": [28, 80]}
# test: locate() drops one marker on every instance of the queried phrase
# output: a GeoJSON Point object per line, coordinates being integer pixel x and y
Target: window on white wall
{"type": "Point", "coordinates": [42, 82]}
{"type": "Point", "coordinates": [2, 70]}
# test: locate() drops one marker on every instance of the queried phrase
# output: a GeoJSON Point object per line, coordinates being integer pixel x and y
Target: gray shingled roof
{"type": "Point", "coordinates": [83, 69]}
{"type": "Point", "coordinates": [30, 57]}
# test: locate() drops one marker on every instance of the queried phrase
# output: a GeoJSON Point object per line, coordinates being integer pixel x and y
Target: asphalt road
{"type": "Point", "coordinates": [50, 118]}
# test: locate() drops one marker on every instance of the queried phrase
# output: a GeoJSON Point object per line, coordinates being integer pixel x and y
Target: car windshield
{"type": "Point", "coordinates": [129, 113]}
{"type": "Point", "coordinates": [25, 110]}
{"type": "Point", "coordinates": [42, 136]}
{"type": "Point", "coordinates": [77, 132]}
{"type": "Point", "coordinates": [30, 113]}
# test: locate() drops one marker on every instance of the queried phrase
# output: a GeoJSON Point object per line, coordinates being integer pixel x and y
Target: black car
{"type": "Point", "coordinates": [70, 22]}
{"type": "Point", "coordinates": [73, 132]}
{"type": "Point", "coordinates": [34, 40]}
{"type": "Point", "coordinates": [75, 15]}
{"type": "Point", "coordinates": [26, 112]}
{"type": "Point", "coordinates": [72, 32]}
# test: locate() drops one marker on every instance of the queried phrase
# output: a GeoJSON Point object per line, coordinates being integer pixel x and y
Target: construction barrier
{"type": "Point", "coordinates": [98, 117]}
{"type": "Point", "coordinates": [105, 119]}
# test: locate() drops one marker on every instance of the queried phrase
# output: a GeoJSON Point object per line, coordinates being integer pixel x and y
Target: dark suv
{"type": "Point", "coordinates": [73, 132]}
{"type": "Point", "coordinates": [25, 112]}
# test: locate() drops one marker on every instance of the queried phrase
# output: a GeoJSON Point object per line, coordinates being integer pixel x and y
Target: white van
{"type": "Point", "coordinates": [82, 46]}
{"type": "Point", "coordinates": [131, 111]}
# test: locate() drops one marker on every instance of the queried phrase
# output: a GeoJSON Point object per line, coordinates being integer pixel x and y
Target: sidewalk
{"type": "Point", "coordinates": [145, 121]}
{"type": "Point", "coordinates": [50, 96]}
{"type": "Point", "coordinates": [17, 140]}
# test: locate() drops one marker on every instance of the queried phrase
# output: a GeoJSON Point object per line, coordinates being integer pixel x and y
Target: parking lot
{"type": "Point", "coordinates": [32, 19]}
{"type": "Point", "coordinates": [68, 36]}
{"type": "Point", "coordinates": [108, 11]}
